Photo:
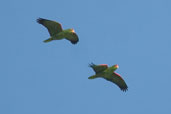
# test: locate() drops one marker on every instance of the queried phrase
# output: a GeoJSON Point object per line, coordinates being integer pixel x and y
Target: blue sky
{"type": "Point", "coordinates": [39, 78]}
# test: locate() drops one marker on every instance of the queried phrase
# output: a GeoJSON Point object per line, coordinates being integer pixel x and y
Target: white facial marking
{"type": "Point", "coordinates": [73, 30]}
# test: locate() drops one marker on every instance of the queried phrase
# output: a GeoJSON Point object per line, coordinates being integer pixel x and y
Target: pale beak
{"type": "Point", "coordinates": [117, 66]}
{"type": "Point", "coordinates": [73, 30]}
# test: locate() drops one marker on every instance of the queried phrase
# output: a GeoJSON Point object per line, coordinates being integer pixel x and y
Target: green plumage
{"type": "Point", "coordinates": [57, 33]}
{"type": "Point", "coordinates": [103, 71]}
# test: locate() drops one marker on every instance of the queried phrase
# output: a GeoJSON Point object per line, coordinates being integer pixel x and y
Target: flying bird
{"type": "Point", "coordinates": [103, 71]}
{"type": "Point", "coordinates": [56, 32]}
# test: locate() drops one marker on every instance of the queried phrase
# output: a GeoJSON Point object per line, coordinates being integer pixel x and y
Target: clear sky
{"type": "Point", "coordinates": [52, 78]}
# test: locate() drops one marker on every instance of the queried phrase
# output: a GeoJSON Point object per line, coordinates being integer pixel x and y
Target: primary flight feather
{"type": "Point", "coordinates": [103, 71]}
{"type": "Point", "coordinates": [56, 32]}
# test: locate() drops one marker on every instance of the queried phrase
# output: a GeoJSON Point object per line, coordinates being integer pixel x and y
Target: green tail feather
{"type": "Point", "coordinates": [48, 40]}
{"type": "Point", "coordinates": [93, 77]}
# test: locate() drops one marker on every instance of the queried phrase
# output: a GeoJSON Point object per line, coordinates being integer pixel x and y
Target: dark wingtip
{"type": "Point", "coordinates": [74, 42]}
{"type": "Point", "coordinates": [124, 89]}
{"type": "Point", "coordinates": [40, 20]}
{"type": "Point", "coordinates": [91, 64]}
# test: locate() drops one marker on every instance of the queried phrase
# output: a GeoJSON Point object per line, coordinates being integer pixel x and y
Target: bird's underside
{"type": "Point", "coordinates": [56, 32]}
{"type": "Point", "coordinates": [103, 71]}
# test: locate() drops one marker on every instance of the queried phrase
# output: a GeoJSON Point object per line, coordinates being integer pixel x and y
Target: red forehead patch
{"type": "Point", "coordinates": [117, 65]}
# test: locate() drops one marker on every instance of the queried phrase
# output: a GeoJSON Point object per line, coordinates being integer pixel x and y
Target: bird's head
{"type": "Point", "coordinates": [115, 67]}
{"type": "Point", "coordinates": [72, 30]}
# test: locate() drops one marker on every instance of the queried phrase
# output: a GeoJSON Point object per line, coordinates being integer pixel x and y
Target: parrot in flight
{"type": "Point", "coordinates": [103, 71]}
{"type": "Point", "coordinates": [56, 32]}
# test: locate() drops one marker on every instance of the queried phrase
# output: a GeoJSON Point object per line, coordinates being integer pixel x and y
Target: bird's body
{"type": "Point", "coordinates": [103, 71]}
{"type": "Point", "coordinates": [57, 33]}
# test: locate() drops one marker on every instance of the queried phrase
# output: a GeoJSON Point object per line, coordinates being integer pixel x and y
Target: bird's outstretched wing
{"type": "Point", "coordinates": [73, 38]}
{"type": "Point", "coordinates": [98, 68]}
{"type": "Point", "coordinates": [52, 26]}
{"type": "Point", "coordinates": [117, 79]}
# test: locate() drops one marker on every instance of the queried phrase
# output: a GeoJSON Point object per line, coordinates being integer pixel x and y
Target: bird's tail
{"type": "Point", "coordinates": [48, 40]}
{"type": "Point", "coordinates": [93, 77]}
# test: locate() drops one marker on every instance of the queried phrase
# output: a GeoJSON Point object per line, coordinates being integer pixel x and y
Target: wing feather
{"type": "Point", "coordinates": [98, 68]}
{"type": "Point", "coordinates": [73, 38]}
{"type": "Point", "coordinates": [117, 79]}
{"type": "Point", "coordinates": [52, 26]}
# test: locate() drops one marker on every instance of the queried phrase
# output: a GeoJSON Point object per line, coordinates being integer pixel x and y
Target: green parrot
{"type": "Point", "coordinates": [57, 33]}
{"type": "Point", "coordinates": [103, 71]}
